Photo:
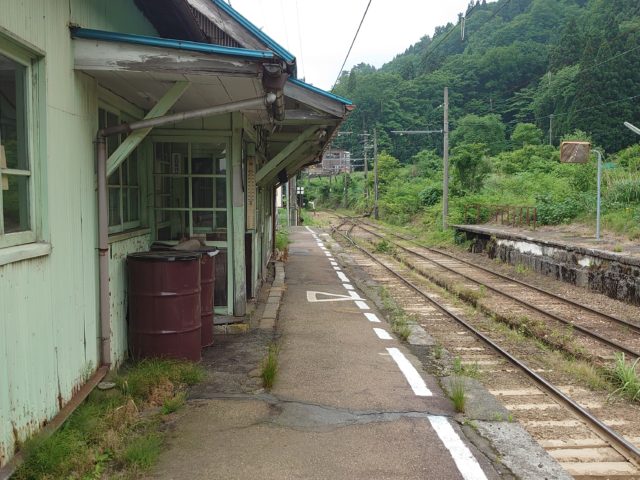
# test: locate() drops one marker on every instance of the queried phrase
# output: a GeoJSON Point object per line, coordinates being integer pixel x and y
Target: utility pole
{"type": "Point", "coordinates": [366, 170]}
{"type": "Point", "coordinates": [551, 129]}
{"type": "Point", "coordinates": [375, 173]}
{"type": "Point", "coordinates": [445, 161]}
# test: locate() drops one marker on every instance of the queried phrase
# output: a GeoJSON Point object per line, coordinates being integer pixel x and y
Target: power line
{"type": "Point", "coordinates": [352, 42]}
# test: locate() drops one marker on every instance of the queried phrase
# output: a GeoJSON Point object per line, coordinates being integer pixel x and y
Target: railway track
{"type": "Point", "coordinates": [603, 335]}
{"type": "Point", "coordinates": [584, 445]}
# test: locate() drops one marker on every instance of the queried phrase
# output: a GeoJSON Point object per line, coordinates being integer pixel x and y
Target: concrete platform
{"type": "Point", "coordinates": [349, 402]}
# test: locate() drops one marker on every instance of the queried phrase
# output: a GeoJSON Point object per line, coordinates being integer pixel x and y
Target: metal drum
{"type": "Point", "coordinates": [164, 305]}
{"type": "Point", "coordinates": [207, 284]}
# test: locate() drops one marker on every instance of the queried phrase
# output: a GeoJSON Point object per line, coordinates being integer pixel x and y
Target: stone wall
{"type": "Point", "coordinates": [615, 275]}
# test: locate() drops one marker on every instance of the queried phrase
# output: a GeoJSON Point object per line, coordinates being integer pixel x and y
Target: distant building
{"type": "Point", "coordinates": [334, 161]}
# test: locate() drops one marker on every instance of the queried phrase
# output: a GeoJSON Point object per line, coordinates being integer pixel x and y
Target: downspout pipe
{"type": "Point", "coordinates": [103, 205]}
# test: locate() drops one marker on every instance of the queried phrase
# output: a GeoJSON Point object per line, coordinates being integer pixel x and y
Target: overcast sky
{"type": "Point", "coordinates": [319, 32]}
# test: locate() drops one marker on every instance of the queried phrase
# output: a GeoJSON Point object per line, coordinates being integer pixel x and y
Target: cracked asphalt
{"type": "Point", "coordinates": [341, 408]}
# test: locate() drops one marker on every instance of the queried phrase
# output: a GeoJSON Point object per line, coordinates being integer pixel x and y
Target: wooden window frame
{"type": "Point", "coordinates": [33, 95]}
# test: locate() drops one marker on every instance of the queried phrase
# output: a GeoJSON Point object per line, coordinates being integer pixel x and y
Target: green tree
{"type": "Point", "coordinates": [470, 166]}
{"type": "Point", "coordinates": [487, 130]}
{"type": "Point", "coordinates": [526, 134]}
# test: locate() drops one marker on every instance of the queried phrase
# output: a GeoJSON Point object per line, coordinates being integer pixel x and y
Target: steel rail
{"type": "Point", "coordinates": [617, 441]}
{"type": "Point", "coordinates": [633, 326]}
{"type": "Point", "coordinates": [578, 327]}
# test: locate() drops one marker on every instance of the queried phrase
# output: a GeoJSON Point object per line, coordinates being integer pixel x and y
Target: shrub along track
{"type": "Point", "coordinates": [585, 446]}
{"type": "Point", "coordinates": [582, 331]}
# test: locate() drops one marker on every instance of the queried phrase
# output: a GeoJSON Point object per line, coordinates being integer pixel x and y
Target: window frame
{"type": "Point", "coordinates": [33, 64]}
{"type": "Point", "coordinates": [122, 226]}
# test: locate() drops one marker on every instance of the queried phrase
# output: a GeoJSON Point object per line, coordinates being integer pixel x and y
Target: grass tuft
{"type": "Point", "coordinates": [458, 393]}
{"type": "Point", "coordinates": [625, 377]}
{"type": "Point", "coordinates": [270, 366]}
{"type": "Point", "coordinates": [106, 437]}
{"type": "Point", "coordinates": [143, 451]}
{"type": "Point", "coordinates": [173, 404]}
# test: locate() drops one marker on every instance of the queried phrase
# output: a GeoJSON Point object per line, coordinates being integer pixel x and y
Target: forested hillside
{"type": "Point", "coordinates": [522, 60]}
{"type": "Point", "coordinates": [523, 67]}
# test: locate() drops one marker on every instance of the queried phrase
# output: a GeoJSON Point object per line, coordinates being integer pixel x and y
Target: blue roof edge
{"type": "Point", "coordinates": [90, 34]}
{"type": "Point", "coordinates": [333, 96]}
{"type": "Point", "coordinates": [256, 32]}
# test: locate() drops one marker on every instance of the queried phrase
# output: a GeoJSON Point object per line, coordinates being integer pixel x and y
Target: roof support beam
{"type": "Point", "coordinates": [273, 166]}
{"type": "Point", "coordinates": [167, 101]}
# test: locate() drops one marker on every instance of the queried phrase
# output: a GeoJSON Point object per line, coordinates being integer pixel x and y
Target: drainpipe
{"type": "Point", "coordinates": [103, 252]}
{"type": "Point", "coordinates": [103, 209]}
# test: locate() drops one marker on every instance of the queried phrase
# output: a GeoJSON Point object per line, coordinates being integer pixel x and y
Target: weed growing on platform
{"type": "Point", "coordinates": [458, 393]}
{"type": "Point", "coordinates": [460, 369]}
{"type": "Point", "coordinates": [106, 436]}
{"type": "Point", "coordinates": [173, 404]}
{"type": "Point", "coordinates": [270, 366]}
{"type": "Point", "coordinates": [625, 377]}
{"type": "Point", "coordinates": [521, 268]}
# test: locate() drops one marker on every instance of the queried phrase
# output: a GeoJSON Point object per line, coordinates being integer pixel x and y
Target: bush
{"type": "Point", "coordinates": [430, 196]}
{"type": "Point", "coordinates": [554, 212]}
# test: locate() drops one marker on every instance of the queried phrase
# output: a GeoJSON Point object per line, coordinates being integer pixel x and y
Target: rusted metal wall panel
{"type": "Point", "coordinates": [49, 305]}
{"type": "Point", "coordinates": [118, 290]}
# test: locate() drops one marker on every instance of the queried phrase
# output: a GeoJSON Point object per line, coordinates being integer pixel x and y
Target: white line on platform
{"type": "Point", "coordinates": [362, 305]}
{"type": "Point", "coordinates": [355, 295]}
{"type": "Point", "coordinates": [323, 247]}
{"type": "Point", "coordinates": [348, 286]}
{"type": "Point", "coordinates": [335, 264]}
{"type": "Point", "coordinates": [372, 317]}
{"type": "Point", "coordinates": [343, 277]}
{"type": "Point", "coordinates": [382, 334]}
{"type": "Point", "coordinates": [309, 228]}
{"type": "Point", "coordinates": [337, 269]}
{"type": "Point", "coordinates": [410, 373]}
{"type": "Point", "coordinates": [327, 254]}
{"type": "Point", "coordinates": [462, 456]}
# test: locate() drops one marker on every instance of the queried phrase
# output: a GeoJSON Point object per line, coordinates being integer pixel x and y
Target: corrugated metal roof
{"type": "Point", "coordinates": [333, 96]}
{"type": "Point", "coordinates": [256, 32]}
{"type": "Point", "coordinates": [169, 43]}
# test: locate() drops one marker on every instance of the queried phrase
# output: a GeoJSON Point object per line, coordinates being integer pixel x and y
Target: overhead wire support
{"type": "Point", "coordinates": [352, 43]}
{"type": "Point", "coordinates": [415, 132]}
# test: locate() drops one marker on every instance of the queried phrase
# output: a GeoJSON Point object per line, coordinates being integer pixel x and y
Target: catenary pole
{"type": "Point", "coordinates": [445, 161]}
{"type": "Point", "coordinates": [375, 173]}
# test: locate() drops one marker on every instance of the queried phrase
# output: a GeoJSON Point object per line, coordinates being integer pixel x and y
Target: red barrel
{"type": "Point", "coordinates": [207, 284]}
{"type": "Point", "coordinates": [164, 305]}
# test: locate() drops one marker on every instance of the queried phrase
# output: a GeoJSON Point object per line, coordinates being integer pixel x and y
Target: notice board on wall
{"type": "Point", "coordinates": [251, 193]}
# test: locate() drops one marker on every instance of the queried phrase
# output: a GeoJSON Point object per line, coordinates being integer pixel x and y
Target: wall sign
{"type": "Point", "coordinates": [251, 193]}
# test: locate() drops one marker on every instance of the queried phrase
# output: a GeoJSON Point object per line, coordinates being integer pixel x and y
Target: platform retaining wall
{"type": "Point", "coordinates": [614, 275]}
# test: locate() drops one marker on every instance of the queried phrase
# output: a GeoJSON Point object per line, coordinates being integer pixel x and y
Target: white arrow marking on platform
{"type": "Point", "coordinates": [313, 297]}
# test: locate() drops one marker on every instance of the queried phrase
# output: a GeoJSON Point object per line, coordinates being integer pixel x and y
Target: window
{"type": "Point", "coordinates": [190, 191]}
{"type": "Point", "coordinates": [124, 183]}
{"type": "Point", "coordinates": [17, 135]}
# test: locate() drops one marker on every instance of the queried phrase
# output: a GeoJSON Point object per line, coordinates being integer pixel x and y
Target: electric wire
{"type": "Point", "coordinates": [352, 43]}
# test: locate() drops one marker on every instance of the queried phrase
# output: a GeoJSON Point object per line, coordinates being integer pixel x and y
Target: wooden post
{"type": "Point", "coordinates": [238, 222]}
{"type": "Point", "coordinates": [375, 174]}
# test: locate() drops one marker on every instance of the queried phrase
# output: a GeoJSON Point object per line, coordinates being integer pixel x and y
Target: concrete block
{"type": "Point", "coordinates": [267, 323]}
{"type": "Point", "coordinates": [419, 337]}
{"type": "Point", "coordinates": [271, 310]}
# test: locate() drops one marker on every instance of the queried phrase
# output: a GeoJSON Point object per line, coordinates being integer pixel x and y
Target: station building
{"type": "Point", "coordinates": [217, 120]}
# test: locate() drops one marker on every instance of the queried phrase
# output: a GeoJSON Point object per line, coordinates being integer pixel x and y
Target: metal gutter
{"type": "Point", "coordinates": [90, 34]}
{"type": "Point", "coordinates": [255, 31]}
{"type": "Point", "coordinates": [332, 96]}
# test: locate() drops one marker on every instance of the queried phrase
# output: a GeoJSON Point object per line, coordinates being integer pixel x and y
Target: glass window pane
{"type": "Point", "coordinates": [13, 133]}
{"type": "Point", "coordinates": [114, 178]}
{"type": "Point", "coordinates": [202, 165]}
{"type": "Point", "coordinates": [114, 206]}
{"type": "Point", "coordinates": [124, 168]}
{"type": "Point", "coordinates": [15, 204]}
{"type": "Point", "coordinates": [133, 168]}
{"type": "Point", "coordinates": [202, 222]}
{"type": "Point", "coordinates": [176, 227]}
{"type": "Point", "coordinates": [202, 190]}
{"type": "Point", "coordinates": [134, 206]}
{"type": "Point", "coordinates": [178, 158]}
{"type": "Point", "coordinates": [221, 193]}
{"type": "Point", "coordinates": [125, 205]}
{"type": "Point", "coordinates": [221, 220]}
